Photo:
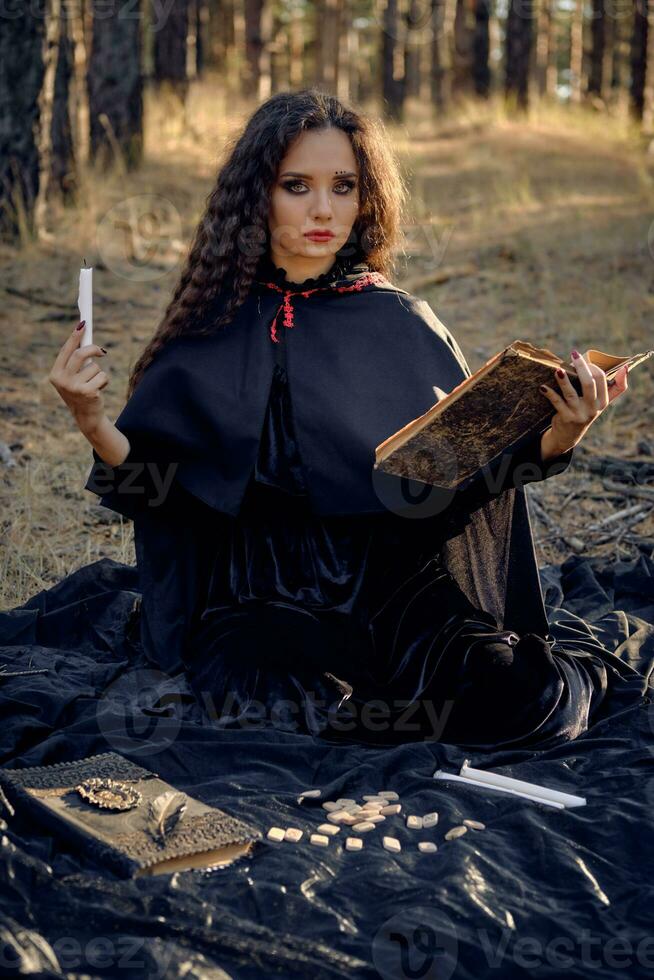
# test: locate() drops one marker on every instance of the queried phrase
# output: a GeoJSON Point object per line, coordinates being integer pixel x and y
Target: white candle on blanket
{"type": "Point", "coordinates": [519, 785]}
{"type": "Point", "coordinates": [85, 304]}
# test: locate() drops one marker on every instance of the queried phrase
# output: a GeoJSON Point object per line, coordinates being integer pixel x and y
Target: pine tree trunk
{"type": "Point", "coordinates": [296, 50]}
{"type": "Point", "coordinates": [548, 44]}
{"type": "Point", "coordinates": [115, 85]}
{"type": "Point", "coordinates": [412, 70]}
{"type": "Point", "coordinates": [46, 110]}
{"type": "Point", "coordinates": [392, 62]}
{"type": "Point", "coordinates": [328, 28]}
{"type": "Point", "coordinates": [253, 46]}
{"type": "Point", "coordinates": [276, 51]}
{"type": "Point", "coordinates": [22, 41]}
{"type": "Point", "coordinates": [192, 40]}
{"type": "Point", "coordinates": [367, 79]}
{"type": "Point", "coordinates": [621, 74]}
{"type": "Point", "coordinates": [345, 55]}
{"type": "Point", "coordinates": [220, 32]}
{"type": "Point", "coordinates": [413, 48]}
{"type": "Point", "coordinates": [269, 27]}
{"type": "Point", "coordinates": [237, 80]}
{"type": "Point", "coordinates": [638, 58]}
{"type": "Point", "coordinates": [201, 21]}
{"type": "Point", "coordinates": [577, 51]}
{"type": "Point", "coordinates": [481, 48]}
{"type": "Point", "coordinates": [79, 97]}
{"type": "Point", "coordinates": [440, 56]}
{"type": "Point", "coordinates": [518, 51]}
{"type": "Point", "coordinates": [608, 57]}
{"type": "Point", "coordinates": [597, 49]}
{"type": "Point", "coordinates": [63, 177]}
{"type": "Point", "coordinates": [463, 54]}
{"type": "Point", "coordinates": [353, 73]}
{"type": "Point", "coordinates": [170, 49]}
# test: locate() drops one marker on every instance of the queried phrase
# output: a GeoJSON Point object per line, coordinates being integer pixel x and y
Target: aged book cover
{"type": "Point", "coordinates": [153, 833]}
{"type": "Point", "coordinates": [485, 415]}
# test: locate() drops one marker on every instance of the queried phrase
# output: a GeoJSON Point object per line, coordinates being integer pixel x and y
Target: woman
{"type": "Point", "coordinates": [284, 574]}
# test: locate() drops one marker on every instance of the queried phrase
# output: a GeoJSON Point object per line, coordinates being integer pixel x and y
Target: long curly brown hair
{"type": "Point", "coordinates": [233, 233]}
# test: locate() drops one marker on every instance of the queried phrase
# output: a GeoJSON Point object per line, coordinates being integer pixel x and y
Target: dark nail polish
{"type": "Point", "coordinates": [543, 388]}
{"type": "Point", "coordinates": [560, 373]}
{"type": "Point", "coordinates": [575, 353]}
{"type": "Point", "coordinates": [80, 325]}
{"type": "Point", "coordinates": [103, 350]}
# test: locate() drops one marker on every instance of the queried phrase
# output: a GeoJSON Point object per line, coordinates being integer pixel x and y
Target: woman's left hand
{"type": "Point", "coordinates": [576, 413]}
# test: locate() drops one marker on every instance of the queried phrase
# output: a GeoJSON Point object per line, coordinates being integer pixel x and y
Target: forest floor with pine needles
{"type": "Point", "coordinates": [539, 229]}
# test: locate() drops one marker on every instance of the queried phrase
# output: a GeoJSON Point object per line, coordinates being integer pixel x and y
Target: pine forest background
{"type": "Point", "coordinates": [525, 129]}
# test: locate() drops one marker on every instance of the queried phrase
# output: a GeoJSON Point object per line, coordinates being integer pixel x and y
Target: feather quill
{"type": "Point", "coordinates": [164, 813]}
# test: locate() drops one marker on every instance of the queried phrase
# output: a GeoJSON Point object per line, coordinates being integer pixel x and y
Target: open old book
{"type": "Point", "coordinates": [484, 415]}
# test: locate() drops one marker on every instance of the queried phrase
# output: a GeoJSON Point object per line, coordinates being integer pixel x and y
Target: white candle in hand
{"type": "Point", "coordinates": [85, 304]}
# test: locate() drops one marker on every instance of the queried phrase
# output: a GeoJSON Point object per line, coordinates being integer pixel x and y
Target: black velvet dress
{"type": "Point", "coordinates": [281, 581]}
{"type": "Point", "coordinates": [349, 627]}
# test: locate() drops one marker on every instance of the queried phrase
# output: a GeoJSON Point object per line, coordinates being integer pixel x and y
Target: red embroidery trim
{"type": "Point", "coordinates": [368, 279]}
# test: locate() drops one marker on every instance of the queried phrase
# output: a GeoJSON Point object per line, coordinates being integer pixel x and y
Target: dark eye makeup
{"type": "Point", "coordinates": [350, 184]}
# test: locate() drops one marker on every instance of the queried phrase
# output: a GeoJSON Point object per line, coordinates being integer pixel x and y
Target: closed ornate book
{"type": "Point", "coordinates": [125, 817]}
{"type": "Point", "coordinates": [487, 413]}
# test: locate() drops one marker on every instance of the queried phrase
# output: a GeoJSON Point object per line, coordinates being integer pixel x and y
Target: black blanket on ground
{"type": "Point", "coordinates": [539, 892]}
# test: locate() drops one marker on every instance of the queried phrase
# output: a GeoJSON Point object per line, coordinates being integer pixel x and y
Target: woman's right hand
{"type": "Point", "coordinates": [79, 386]}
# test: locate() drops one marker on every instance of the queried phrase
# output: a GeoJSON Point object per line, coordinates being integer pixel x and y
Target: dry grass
{"type": "Point", "coordinates": [547, 221]}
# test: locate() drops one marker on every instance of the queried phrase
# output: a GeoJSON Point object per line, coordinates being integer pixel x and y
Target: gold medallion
{"type": "Point", "coordinates": [110, 794]}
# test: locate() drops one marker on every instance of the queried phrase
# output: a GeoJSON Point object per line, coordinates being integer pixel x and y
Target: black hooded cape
{"type": "Point", "coordinates": [362, 359]}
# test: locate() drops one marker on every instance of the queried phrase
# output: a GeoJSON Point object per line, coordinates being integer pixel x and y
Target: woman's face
{"type": "Point", "coordinates": [316, 190]}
